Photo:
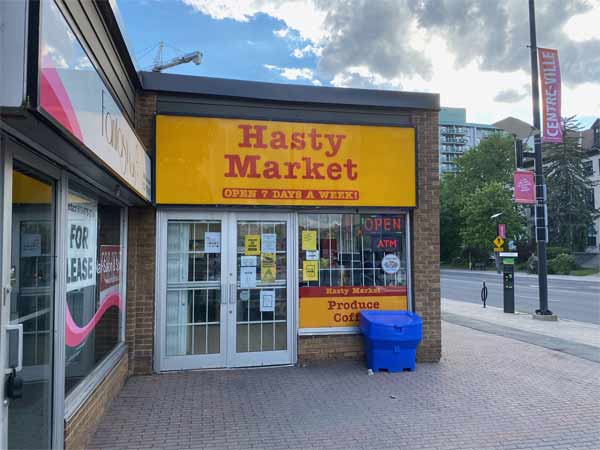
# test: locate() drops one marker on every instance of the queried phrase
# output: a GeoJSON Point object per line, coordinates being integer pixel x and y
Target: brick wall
{"type": "Point", "coordinates": [426, 261]}
{"type": "Point", "coordinates": [141, 246]}
{"type": "Point", "coordinates": [80, 428]}
{"type": "Point", "coordinates": [348, 346]}
{"type": "Point", "coordinates": [426, 237]}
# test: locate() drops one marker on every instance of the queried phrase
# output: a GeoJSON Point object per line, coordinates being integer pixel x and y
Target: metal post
{"type": "Point", "coordinates": [540, 225]}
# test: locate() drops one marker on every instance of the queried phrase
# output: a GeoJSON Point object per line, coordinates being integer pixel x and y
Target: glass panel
{"type": "Point", "coordinates": [31, 304]}
{"type": "Point", "coordinates": [258, 321]}
{"type": "Point", "coordinates": [193, 310]}
{"type": "Point", "coordinates": [94, 283]}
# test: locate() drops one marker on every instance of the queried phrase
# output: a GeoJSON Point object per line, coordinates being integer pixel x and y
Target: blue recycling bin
{"type": "Point", "coordinates": [391, 339]}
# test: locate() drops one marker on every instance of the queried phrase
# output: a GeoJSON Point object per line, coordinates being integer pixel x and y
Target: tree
{"type": "Point", "coordinates": [463, 195]}
{"type": "Point", "coordinates": [479, 206]}
{"type": "Point", "coordinates": [570, 211]}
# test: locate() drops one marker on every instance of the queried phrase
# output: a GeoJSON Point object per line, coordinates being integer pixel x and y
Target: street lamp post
{"type": "Point", "coordinates": [541, 231]}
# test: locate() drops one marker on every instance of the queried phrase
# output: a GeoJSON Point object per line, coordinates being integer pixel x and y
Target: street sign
{"type": "Point", "coordinates": [502, 230]}
{"type": "Point", "coordinates": [498, 244]}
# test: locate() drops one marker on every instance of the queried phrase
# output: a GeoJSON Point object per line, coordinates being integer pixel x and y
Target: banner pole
{"type": "Point", "coordinates": [541, 232]}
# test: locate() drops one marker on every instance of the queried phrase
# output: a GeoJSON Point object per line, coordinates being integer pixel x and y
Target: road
{"type": "Point", "coordinates": [570, 299]}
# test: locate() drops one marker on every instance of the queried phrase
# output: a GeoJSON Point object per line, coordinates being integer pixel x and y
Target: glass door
{"type": "Point", "coordinates": [30, 312]}
{"type": "Point", "coordinates": [224, 290]}
{"type": "Point", "coordinates": [194, 296]}
{"type": "Point", "coordinates": [259, 304]}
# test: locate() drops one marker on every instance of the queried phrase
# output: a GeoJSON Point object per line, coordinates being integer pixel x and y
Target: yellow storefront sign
{"type": "Point", "coordinates": [229, 161]}
{"type": "Point", "coordinates": [333, 307]}
{"type": "Point", "coordinates": [309, 240]}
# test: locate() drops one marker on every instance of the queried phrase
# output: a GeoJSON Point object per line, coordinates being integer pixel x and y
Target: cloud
{"type": "Point", "coordinates": [307, 50]}
{"type": "Point", "coordinates": [292, 73]}
{"type": "Point", "coordinates": [391, 37]}
{"type": "Point", "coordinates": [362, 77]}
{"type": "Point", "coordinates": [282, 32]}
{"type": "Point", "coordinates": [300, 15]}
{"type": "Point", "coordinates": [510, 96]}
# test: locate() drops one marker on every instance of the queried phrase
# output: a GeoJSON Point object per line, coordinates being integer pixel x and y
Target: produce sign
{"type": "Point", "coordinates": [330, 307]}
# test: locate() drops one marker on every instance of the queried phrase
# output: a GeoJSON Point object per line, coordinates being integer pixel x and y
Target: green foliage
{"type": "Point", "coordinates": [562, 264]}
{"type": "Point", "coordinates": [553, 251]}
{"type": "Point", "coordinates": [481, 187]}
{"type": "Point", "coordinates": [569, 210]}
{"type": "Point", "coordinates": [480, 205]}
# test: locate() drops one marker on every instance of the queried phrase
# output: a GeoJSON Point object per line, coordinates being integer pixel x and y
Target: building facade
{"type": "Point", "coordinates": [456, 136]}
{"type": "Point", "coordinates": [155, 222]}
{"type": "Point", "coordinates": [590, 141]}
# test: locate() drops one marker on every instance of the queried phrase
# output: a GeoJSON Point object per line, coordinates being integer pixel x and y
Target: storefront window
{"type": "Point", "coordinates": [94, 283]}
{"type": "Point", "coordinates": [350, 262]}
{"type": "Point", "coordinates": [350, 249]}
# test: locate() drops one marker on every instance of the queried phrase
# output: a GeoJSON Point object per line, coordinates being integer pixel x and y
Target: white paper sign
{"type": "Point", "coordinates": [268, 243]}
{"type": "Point", "coordinates": [247, 277]}
{"type": "Point", "coordinates": [267, 301]}
{"type": "Point", "coordinates": [212, 242]}
{"type": "Point", "coordinates": [312, 255]}
{"type": "Point", "coordinates": [81, 239]}
{"type": "Point", "coordinates": [390, 264]}
{"type": "Point", "coordinates": [31, 245]}
{"type": "Point", "coordinates": [249, 261]}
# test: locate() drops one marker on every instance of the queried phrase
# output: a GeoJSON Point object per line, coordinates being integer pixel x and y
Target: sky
{"type": "Point", "coordinates": [472, 52]}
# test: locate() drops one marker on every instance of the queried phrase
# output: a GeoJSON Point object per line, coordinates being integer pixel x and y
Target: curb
{"type": "Point", "coordinates": [592, 278]}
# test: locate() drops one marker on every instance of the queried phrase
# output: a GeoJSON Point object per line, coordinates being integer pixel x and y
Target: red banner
{"type": "Point", "coordinates": [550, 85]}
{"type": "Point", "coordinates": [524, 181]}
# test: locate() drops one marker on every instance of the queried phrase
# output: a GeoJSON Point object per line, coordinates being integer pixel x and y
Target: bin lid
{"type": "Point", "coordinates": [392, 318]}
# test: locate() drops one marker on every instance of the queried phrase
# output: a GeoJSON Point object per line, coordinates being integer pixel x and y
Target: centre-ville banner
{"type": "Point", "coordinates": [203, 160]}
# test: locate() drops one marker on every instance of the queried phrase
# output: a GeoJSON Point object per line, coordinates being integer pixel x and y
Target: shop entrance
{"type": "Point", "coordinates": [224, 290]}
{"type": "Point", "coordinates": [27, 307]}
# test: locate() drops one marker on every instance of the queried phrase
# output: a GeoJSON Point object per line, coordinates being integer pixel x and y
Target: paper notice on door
{"type": "Point", "coordinates": [268, 267]}
{"type": "Point", "coordinates": [252, 244]}
{"type": "Point", "coordinates": [212, 242]}
{"type": "Point", "coordinates": [309, 240]}
{"type": "Point", "coordinates": [310, 270]}
{"type": "Point", "coordinates": [31, 245]}
{"type": "Point", "coordinates": [312, 255]}
{"type": "Point", "coordinates": [267, 301]}
{"type": "Point", "coordinates": [268, 243]}
{"type": "Point", "coordinates": [248, 261]}
{"type": "Point", "coordinates": [247, 277]}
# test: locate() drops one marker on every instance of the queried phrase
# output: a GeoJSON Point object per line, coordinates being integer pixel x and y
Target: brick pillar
{"type": "Point", "coordinates": [140, 288]}
{"type": "Point", "coordinates": [426, 236]}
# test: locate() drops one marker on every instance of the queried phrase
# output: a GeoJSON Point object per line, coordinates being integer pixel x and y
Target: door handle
{"type": "Point", "coordinates": [232, 293]}
{"type": "Point", "coordinates": [14, 384]}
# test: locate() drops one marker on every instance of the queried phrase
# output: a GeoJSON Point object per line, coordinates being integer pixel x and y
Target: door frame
{"type": "Point", "coordinates": [10, 150]}
{"type": "Point", "coordinates": [252, 359]}
{"type": "Point", "coordinates": [229, 221]}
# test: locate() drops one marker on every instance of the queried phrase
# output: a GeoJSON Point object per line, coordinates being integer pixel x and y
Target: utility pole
{"type": "Point", "coordinates": [541, 230]}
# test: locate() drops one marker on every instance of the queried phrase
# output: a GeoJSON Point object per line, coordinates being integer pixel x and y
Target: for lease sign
{"type": "Point", "coordinates": [81, 239]}
{"type": "Point", "coordinates": [204, 160]}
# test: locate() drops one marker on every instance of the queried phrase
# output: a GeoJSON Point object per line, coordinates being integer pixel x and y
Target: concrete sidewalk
{"type": "Point", "coordinates": [592, 278]}
{"type": "Point", "coordinates": [576, 338]}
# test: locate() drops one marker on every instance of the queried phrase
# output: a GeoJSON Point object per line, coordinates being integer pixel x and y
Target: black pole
{"type": "Point", "coordinates": [540, 206]}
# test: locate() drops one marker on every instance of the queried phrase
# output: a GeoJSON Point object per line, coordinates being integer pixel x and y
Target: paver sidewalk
{"type": "Point", "coordinates": [488, 392]}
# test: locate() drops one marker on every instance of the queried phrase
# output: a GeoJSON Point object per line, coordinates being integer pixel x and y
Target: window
{"type": "Point", "coordinates": [591, 198]}
{"type": "Point", "coordinates": [347, 263]}
{"type": "Point", "coordinates": [351, 248]}
{"type": "Point", "coordinates": [588, 168]}
{"type": "Point", "coordinates": [95, 284]}
{"type": "Point", "coordinates": [591, 238]}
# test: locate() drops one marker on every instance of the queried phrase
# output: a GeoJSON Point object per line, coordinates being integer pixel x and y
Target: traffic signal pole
{"type": "Point", "coordinates": [541, 230]}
